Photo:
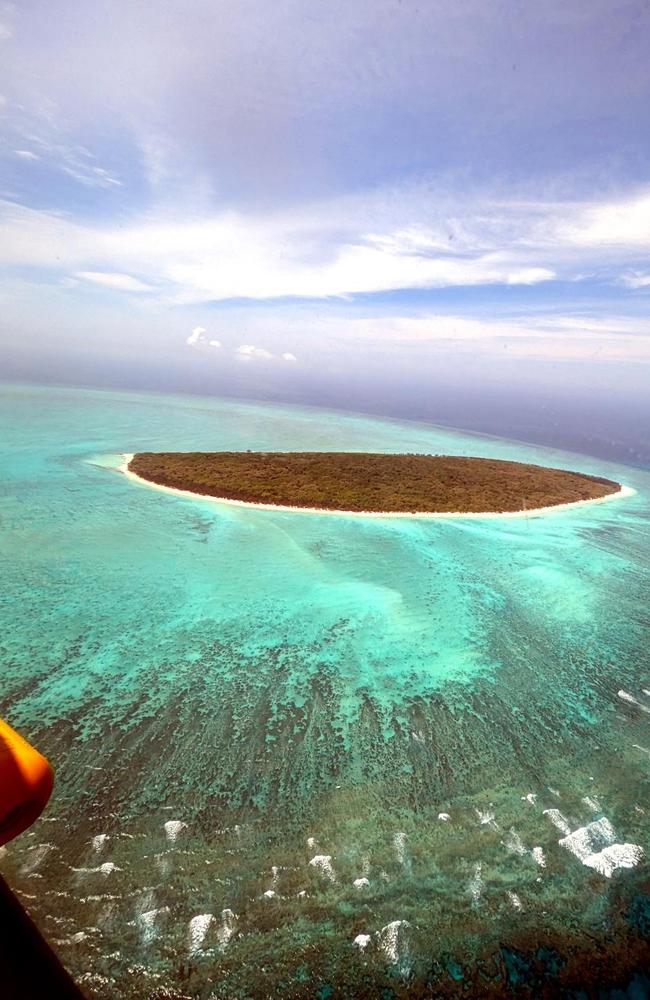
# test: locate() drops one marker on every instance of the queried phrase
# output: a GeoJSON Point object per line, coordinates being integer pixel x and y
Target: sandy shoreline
{"type": "Point", "coordinates": [625, 491]}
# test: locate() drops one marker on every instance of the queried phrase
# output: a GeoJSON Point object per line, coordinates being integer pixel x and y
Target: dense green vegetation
{"type": "Point", "coordinates": [369, 482]}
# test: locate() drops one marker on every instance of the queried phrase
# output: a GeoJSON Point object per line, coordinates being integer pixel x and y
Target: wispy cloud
{"type": "Point", "coordinates": [636, 280]}
{"type": "Point", "coordinates": [330, 250]}
{"type": "Point", "coordinates": [120, 282]}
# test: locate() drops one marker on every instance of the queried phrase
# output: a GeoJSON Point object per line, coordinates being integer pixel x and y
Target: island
{"type": "Point", "coordinates": [368, 482]}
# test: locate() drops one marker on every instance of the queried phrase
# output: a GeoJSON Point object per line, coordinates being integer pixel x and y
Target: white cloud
{"type": "Point", "coordinates": [350, 246]}
{"type": "Point", "coordinates": [248, 352]}
{"type": "Point", "coordinates": [195, 336]}
{"type": "Point", "coordinates": [198, 339]}
{"type": "Point", "coordinates": [26, 154]}
{"type": "Point", "coordinates": [120, 282]}
{"type": "Point", "coordinates": [623, 223]}
{"type": "Point", "coordinates": [636, 280]}
{"type": "Point", "coordinates": [288, 356]}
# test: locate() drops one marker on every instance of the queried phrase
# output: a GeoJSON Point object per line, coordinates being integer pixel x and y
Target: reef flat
{"type": "Point", "coordinates": [369, 482]}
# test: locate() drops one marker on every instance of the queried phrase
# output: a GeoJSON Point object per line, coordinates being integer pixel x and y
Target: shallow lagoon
{"type": "Point", "coordinates": [251, 711]}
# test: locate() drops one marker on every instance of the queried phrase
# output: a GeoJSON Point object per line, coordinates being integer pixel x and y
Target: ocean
{"type": "Point", "coordinates": [313, 755]}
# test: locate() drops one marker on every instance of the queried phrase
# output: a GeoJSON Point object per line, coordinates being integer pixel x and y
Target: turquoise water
{"type": "Point", "coordinates": [250, 711]}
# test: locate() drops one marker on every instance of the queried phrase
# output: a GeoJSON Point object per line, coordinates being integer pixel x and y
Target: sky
{"type": "Point", "coordinates": [326, 199]}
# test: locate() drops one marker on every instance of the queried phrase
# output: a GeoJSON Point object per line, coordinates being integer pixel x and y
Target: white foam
{"type": "Point", "coordinates": [162, 863]}
{"type": "Point", "coordinates": [227, 928]}
{"type": "Point", "coordinates": [391, 941]}
{"type": "Point", "coordinates": [476, 884]}
{"type": "Point", "coordinates": [323, 863]}
{"type": "Point", "coordinates": [624, 696]}
{"type": "Point", "coordinates": [148, 923]}
{"type": "Point", "coordinates": [399, 843]}
{"type": "Point", "coordinates": [538, 855]}
{"type": "Point", "coordinates": [360, 883]}
{"type": "Point", "coordinates": [486, 818]}
{"type": "Point", "coordinates": [583, 841]}
{"type": "Point", "coordinates": [99, 842]}
{"type": "Point", "coordinates": [515, 901]}
{"type": "Point", "coordinates": [558, 820]}
{"type": "Point", "coordinates": [616, 856]}
{"type": "Point", "coordinates": [37, 855]}
{"type": "Point", "coordinates": [362, 941]}
{"type": "Point", "coordinates": [311, 843]}
{"type": "Point", "coordinates": [270, 893]}
{"type": "Point", "coordinates": [107, 868]}
{"type": "Point", "coordinates": [514, 843]}
{"type": "Point", "coordinates": [197, 929]}
{"type": "Point", "coordinates": [594, 846]}
{"type": "Point", "coordinates": [173, 827]}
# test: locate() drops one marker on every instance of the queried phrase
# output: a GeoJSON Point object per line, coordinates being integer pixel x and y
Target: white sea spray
{"type": "Point", "coordinates": [558, 820]}
{"type": "Point", "coordinates": [197, 930]}
{"type": "Point", "coordinates": [148, 923]}
{"type": "Point", "coordinates": [107, 868]}
{"type": "Point", "coordinates": [594, 845]}
{"type": "Point", "coordinates": [323, 864]}
{"type": "Point", "coordinates": [37, 855]}
{"type": "Point", "coordinates": [227, 927]}
{"type": "Point", "coordinates": [625, 696]}
{"type": "Point", "coordinates": [476, 884]}
{"type": "Point", "coordinates": [514, 843]}
{"type": "Point", "coordinates": [173, 827]}
{"type": "Point", "coordinates": [392, 941]}
{"type": "Point", "coordinates": [539, 856]}
{"type": "Point", "coordinates": [486, 818]}
{"type": "Point", "coordinates": [399, 843]}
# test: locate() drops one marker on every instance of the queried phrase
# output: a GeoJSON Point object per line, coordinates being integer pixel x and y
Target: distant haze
{"type": "Point", "coordinates": [439, 211]}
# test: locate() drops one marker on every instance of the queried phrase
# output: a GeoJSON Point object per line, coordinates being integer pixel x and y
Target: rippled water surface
{"type": "Point", "coordinates": [309, 755]}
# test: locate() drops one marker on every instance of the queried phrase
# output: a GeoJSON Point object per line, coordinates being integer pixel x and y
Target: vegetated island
{"type": "Point", "coordinates": [358, 482]}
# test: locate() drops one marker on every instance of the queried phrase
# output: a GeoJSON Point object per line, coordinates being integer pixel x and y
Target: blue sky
{"type": "Point", "coordinates": [259, 192]}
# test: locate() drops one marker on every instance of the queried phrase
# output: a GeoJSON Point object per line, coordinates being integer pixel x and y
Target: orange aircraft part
{"type": "Point", "coordinates": [26, 781]}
